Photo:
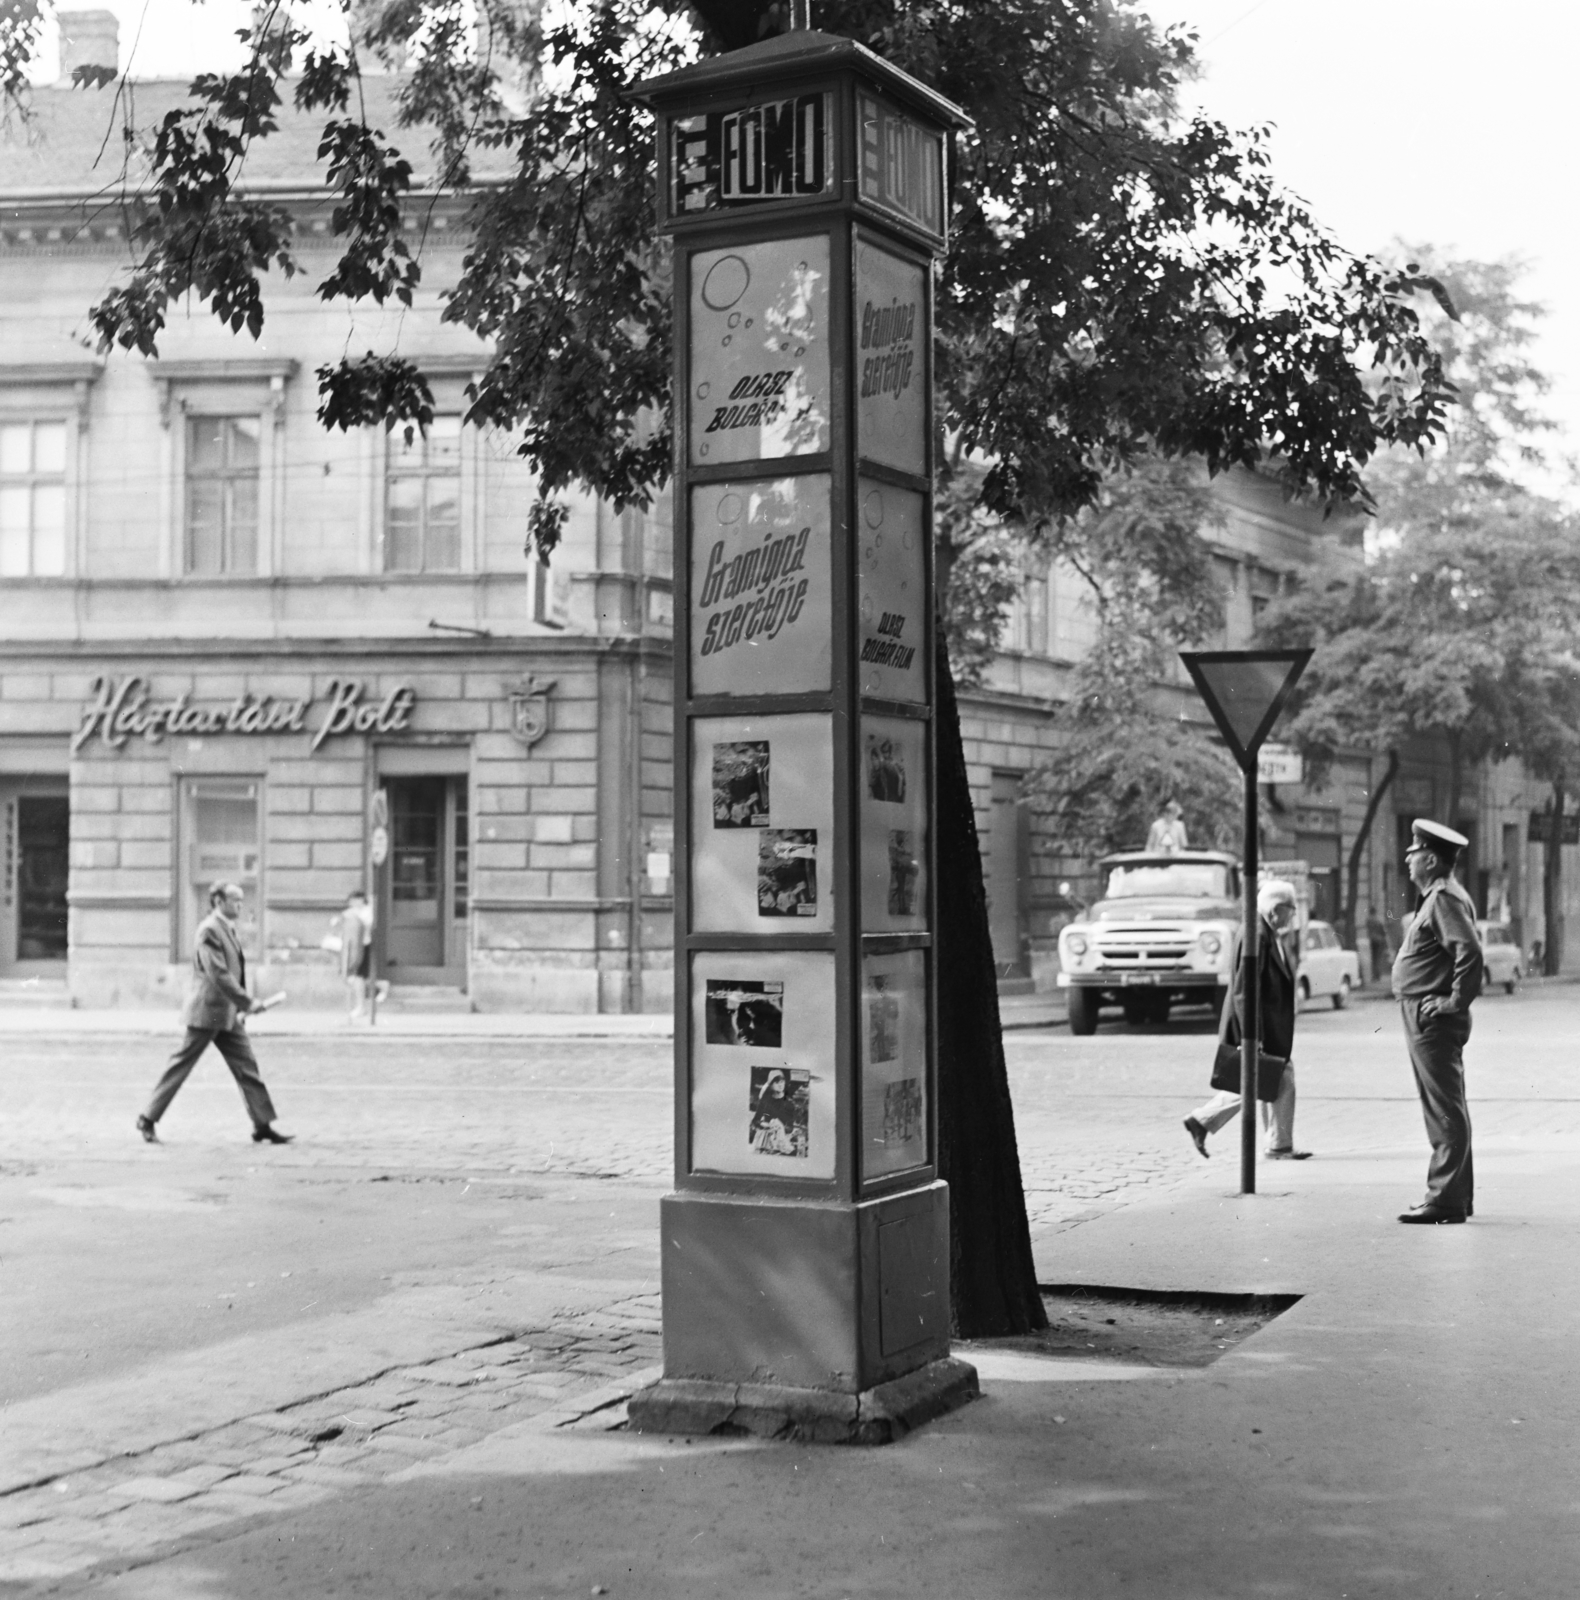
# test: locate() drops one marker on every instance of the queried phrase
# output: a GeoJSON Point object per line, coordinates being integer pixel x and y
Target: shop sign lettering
{"type": "Point", "coordinates": [902, 164]}
{"type": "Point", "coordinates": [123, 709]}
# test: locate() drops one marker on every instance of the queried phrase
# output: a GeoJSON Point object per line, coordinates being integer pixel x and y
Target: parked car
{"type": "Point", "coordinates": [1326, 967]}
{"type": "Point", "coordinates": [1501, 957]}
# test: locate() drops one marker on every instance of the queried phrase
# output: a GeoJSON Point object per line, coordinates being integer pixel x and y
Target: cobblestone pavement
{"type": "Point", "coordinates": [1098, 1123]}
{"type": "Point", "coordinates": [365, 1434]}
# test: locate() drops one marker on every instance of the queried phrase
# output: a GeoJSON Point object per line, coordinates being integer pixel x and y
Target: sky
{"type": "Point", "coordinates": [1447, 122]}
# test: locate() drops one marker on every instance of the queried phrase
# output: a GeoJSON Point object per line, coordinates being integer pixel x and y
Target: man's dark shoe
{"type": "Point", "coordinates": [263, 1133]}
{"type": "Point", "coordinates": [1428, 1215]}
{"type": "Point", "coordinates": [146, 1128]}
{"type": "Point", "coordinates": [1198, 1135]}
{"type": "Point", "coordinates": [1290, 1154]}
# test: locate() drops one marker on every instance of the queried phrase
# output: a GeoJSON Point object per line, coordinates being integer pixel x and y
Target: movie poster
{"type": "Point", "coordinates": [778, 1105]}
{"type": "Point", "coordinates": [759, 351]}
{"type": "Point", "coordinates": [748, 1012]}
{"type": "Point", "coordinates": [787, 872]}
{"type": "Point", "coordinates": [740, 784]}
{"type": "Point", "coordinates": [894, 1062]}
{"type": "Point", "coordinates": [762, 804]}
{"type": "Point", "coordinates": [891, 576]}
{"type": "Point", "coordinates": [894, 844]}
{"type": "Point", "coordinates": [762, 1088]}
{"type": "Point", "coordinates": [760, 587]}
{"type": "Point", "coordinates": [891, 359]}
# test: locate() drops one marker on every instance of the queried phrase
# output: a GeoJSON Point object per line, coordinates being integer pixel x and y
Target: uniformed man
{"type": "Point", "coordinates": [1436, 975]}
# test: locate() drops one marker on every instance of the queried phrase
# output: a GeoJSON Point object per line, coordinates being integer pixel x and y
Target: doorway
{"type": "Point", "coordinates": [219, 832]}
{"type": "Point", "coordinates": [425, 890]}
{"type": "Point", "coordinates": [36, 821]}
{"type": "Point", "coordinates": [1008, 851]}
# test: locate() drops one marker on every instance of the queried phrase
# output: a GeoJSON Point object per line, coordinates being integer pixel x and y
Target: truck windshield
{"type": "Point", "coordinates": [1191, 880]}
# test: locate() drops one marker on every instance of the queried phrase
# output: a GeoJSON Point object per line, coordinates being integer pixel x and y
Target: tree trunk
{"type": "Point", "coordinates": [1552, 885]}
{"type": "Point", "coordinates": [1454, 779]}
{"type": "Point", "coordinates": [1353, 888]}
{"type": "Point", "coordinates": [992, 1275]}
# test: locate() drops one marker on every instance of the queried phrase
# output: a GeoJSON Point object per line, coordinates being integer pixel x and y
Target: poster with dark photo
{"type": "Point", "coordinates": [904, 870]}
{"type": "Point", "coordinates": [779, 1100]}
{"type": "Point", "coordinates": [744, 1011]}
{"type": "Point", "coordinates": [883, 1022]}
{"type": "Point", "coordinates": [902, 1111]}
{"type": "Point", "coordinates": [885, 769]}
{"type": "Point", "coordinates": [740, 784]}
{"type": "Point", "coordinates": [787, 872]}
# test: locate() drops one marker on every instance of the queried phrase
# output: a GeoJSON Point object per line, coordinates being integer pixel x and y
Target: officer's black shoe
{"type": "Point", "coordinates": [146, 1128]}
{"type": "Point", "coordinates": [1430, 1214]}
{"type": "Point", "coordinates": [263, 1133]}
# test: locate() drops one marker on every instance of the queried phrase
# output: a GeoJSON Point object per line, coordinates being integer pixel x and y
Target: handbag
{"type": "Point", "coordinates": [1226, 1071]}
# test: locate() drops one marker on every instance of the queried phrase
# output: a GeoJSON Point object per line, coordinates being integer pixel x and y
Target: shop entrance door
{"type": "Point", "coordinates": [219, 824]}
{"type": "Point", "coordinates": [36, 868]}
{"type": "Point", "coordinates": [423, 919]}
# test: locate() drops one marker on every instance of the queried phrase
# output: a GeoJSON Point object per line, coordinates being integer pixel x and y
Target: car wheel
{"type": "Point", "coordinates": [1513, 983]}
{"type": "Point", "coordinates": [1341, 995]}
{"type": "Point", "coordinates": [1083, 1008]}
{"type": "Point", "coordinates": [1305, 990]}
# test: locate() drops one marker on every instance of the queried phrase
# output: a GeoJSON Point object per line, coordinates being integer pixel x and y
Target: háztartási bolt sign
{"type": "Point", "coordinates": [766, 575]}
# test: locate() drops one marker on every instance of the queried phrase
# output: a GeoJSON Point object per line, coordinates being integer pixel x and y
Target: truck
{"type": "Point", "coordinates": [1158, 936]}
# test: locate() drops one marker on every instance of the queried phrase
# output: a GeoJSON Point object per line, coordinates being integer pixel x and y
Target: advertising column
{"type": "Point", "coordinates": [805, 1248]}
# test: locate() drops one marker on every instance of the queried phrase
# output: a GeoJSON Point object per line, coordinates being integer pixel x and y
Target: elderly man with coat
{"type": "Point", "coordinates": [215, 1005]}
{"type": "Point", "coordinates": [1278, 997]}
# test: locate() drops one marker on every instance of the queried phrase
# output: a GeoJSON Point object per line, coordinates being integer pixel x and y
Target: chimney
{"type": "Point", "coordinates": [88, 39]}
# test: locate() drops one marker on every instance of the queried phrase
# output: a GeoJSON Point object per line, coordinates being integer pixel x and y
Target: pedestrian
{"type": "Point", "coordinates": [1436, 975]}
{"type": "Point", "coordinates": [216, 1004]}
{"type": "Point", "coordinates": [1167, 834]}
{"type": "Point", "coordinates": [1276, 1000]}
{"type": "Point", "coordinates": [355, 931]}
{"type": "Point", "coordinates": [1377, 938]}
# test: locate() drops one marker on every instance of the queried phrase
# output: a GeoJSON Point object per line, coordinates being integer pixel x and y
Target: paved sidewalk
{"type": "Point", "coordinates": [284, 1022]}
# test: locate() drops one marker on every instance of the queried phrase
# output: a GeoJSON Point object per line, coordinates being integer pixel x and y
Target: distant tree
{"type": "Point", "coordinates": [1118, 280]}
{"type": "Point", "coordinates": [1123, 749]}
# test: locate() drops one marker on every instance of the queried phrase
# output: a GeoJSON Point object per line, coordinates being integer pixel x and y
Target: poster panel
{"type": "Point", "coordinates": [893, 1063]}
{"type": "Point", "coordinates": [762, 1063]}
{"type": "Point", "coordinates": [762, 824]}
{"type": "Point", "coordinates": [759, 351]}
{"type": "Point", "coordinates": [894, 820]}
{"type": "Point", "coordinates": [891, 359]}
{"type": "Point", "coordinates": [761, 619]}
{"type": "Point", "coordinates": [891, 655]}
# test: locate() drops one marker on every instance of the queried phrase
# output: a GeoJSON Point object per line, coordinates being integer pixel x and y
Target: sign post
{"type": "Point", "coordinates": [1245, 690]}
{"type": "Point", "coordinates": [806, 1245]}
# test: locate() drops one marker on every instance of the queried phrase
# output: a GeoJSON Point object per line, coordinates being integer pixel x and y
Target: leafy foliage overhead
{"type": "Point", "coordinates": [1119, 279]}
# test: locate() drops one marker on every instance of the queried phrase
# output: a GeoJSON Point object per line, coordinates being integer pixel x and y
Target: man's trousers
{"type": "Point", "coordinates": [236, 1048]}
{"type": "Point", "coordinates": [1277, 1115]}
{"type": "Point", "coordinates": [1437, 1046]}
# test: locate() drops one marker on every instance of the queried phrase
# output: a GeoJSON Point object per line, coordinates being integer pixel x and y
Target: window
{"type": "Point", "coordinates": [32, 499]}
{"type": "Point", "coordinates": [222, 495]}
{"type": "Point", "coordinates": [422, 519]}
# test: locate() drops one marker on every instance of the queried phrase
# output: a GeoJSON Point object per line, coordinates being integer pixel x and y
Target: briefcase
{"type": "Point", "coordinates": [1269, 1071]}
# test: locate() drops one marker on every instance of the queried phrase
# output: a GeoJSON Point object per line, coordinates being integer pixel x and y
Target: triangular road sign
{"type": "Point", "coordinates": [1245, 690]}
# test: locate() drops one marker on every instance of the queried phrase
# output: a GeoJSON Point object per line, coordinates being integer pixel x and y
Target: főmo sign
{"type": "Point", "coordinates": [123, 710]}
{"type": "Point", "coordinates": [777, 150]}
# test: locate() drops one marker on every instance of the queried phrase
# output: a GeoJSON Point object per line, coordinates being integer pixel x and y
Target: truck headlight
{"type": "Point", "coordinates": [1075, 943]}
{"type": "Point", "coordinates": [1211, 943]}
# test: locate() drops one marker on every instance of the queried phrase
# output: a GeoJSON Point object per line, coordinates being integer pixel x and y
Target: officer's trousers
{"type": "Point", "coordinates": [1436, 1046]}
{"type": "Point", "coordinates": [236, 1047]}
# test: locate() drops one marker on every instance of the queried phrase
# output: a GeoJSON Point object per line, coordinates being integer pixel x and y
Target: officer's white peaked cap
{"type": "Point", "coordinates": [1436, 837]}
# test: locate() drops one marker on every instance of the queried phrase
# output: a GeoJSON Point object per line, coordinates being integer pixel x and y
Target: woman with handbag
{"type": "Point", "coordinates": [1278, 997]}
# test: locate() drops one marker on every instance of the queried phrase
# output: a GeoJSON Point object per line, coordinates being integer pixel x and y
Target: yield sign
{"type": "Point", "coordinates": [1245, 690]}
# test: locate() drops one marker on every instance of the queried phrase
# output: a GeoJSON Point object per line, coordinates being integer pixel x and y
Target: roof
{"type": "Point", "coordinates": [1170, 857]}
{"type": "Point", "coordinates": [73, 143]}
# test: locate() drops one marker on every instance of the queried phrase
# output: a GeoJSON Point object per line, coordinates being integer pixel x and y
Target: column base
{"type": "Point", "coordinates": [879, 1415]}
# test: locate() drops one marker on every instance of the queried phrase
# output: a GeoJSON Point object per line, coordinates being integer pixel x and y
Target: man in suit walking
{"type": "Point", "coordinates": [215, 1005]}
{"type": "Point", "coordinates": [1277, 1003]}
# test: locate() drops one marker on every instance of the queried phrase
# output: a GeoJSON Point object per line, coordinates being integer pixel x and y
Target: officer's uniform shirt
{"type": "Point", "coordinates": [1441, 954]}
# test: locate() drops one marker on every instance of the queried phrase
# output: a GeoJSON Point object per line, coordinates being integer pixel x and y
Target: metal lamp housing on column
{"type": "Point", "coordinates": [806, 1244]}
